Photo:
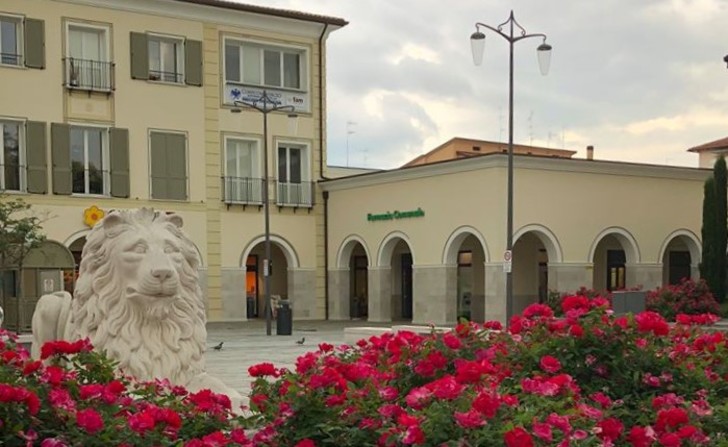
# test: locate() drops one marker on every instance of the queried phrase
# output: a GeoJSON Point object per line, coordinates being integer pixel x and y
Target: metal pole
{"type": "Point", "coordinates": [509, 225]}
{"type": "Point", "coordinates": [266, 212]}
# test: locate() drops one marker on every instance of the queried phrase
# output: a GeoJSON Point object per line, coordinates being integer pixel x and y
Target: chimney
{"type": "Point", "coordinates": [590, 152]}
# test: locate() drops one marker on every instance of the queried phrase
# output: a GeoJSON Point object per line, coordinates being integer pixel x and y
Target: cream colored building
{"type": "Point", "coordinates": [126, 103]}
{"type": "Point", "coordinates": [459, 147]}
{"type": "Point", "coordinates": [427, 242]}
{"type": "Point", "coordinates": [708, 153]}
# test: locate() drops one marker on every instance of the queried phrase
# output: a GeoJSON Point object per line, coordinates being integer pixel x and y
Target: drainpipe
{"type": "Point", "coordinates": [321, 167]}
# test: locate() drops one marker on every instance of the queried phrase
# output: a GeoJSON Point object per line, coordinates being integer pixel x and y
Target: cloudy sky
{"type": "Point", "coordinates": [641, 80]}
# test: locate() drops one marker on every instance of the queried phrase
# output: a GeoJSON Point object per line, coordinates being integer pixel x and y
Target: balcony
{"type": "Point", "coordinates": [242, 190]}
{"type": "Point", "coordinates": [88, 75]}
{"type": "Point", "coordinates": [295, 194]}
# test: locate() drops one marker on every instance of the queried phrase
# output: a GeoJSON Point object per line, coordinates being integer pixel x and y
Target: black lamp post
{"type": "Point", "coordinates": [477, 41]}
{"type": "Point", "coordinates": [265, 105]}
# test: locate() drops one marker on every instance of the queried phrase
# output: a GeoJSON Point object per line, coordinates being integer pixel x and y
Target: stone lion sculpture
{"type": "Point", "coordinates": [137, 298]}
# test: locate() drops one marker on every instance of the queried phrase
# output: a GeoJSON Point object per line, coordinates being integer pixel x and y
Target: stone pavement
{"type": "Point", "coordinates": [246, 344]}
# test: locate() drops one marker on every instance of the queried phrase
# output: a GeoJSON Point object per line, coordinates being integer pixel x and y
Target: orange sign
{"type": "Point", "coordinates": [92, 215]}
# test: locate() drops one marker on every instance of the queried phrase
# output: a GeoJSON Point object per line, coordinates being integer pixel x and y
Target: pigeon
{"type": "Point", "coordinates": [301, 341]}
{"type": "Point", "coordinates": [217, 347]}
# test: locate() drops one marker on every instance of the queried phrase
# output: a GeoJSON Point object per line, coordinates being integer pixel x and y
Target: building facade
{"type": "Point", "coordinates": [427, 242]}
{"type": "Point", "coordinates": [110, 104]}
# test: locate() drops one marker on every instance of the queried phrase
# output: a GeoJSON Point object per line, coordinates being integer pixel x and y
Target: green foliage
{"type": "Point", "coordinates": [688, 297]}
{"type": "Point", "coordinates": [715, 231]}
{"type": "Point", "coordinates": [20, 231]}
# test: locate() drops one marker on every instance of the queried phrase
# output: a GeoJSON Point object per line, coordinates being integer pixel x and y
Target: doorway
{"type": "Point", "coordinates": [406, 264]}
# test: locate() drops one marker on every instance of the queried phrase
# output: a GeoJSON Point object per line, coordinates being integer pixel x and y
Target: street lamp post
{"type": "Point", "coordinates": [477, 41]}
{"type": "Point", "coordinates": [725, 59]}
{"type": "Point", "coordinates": [265, 105]}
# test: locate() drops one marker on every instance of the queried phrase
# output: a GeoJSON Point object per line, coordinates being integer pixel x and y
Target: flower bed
{"type": "Point", "coordinates": [79, 400]}
{"type": "Point", "coordinates": [688, 297]}
{"type": "Point", "coordinates": [588, 379]}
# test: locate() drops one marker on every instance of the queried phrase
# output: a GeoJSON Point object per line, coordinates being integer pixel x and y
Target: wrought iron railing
{"type": "Point", "coordinates": [10, 58]}
{"type": "Point", "coordinates": [244, 190]}
{"type": "Point", "coordinates": [295, 194]}
{"type": "Point", "coordinates": [165, 76]}
{"type": "Point", "coordinates": [84, 74]}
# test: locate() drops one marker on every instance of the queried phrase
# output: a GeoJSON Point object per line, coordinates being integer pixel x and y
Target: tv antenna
{"type": "Point", "coordinates": [348, 132]}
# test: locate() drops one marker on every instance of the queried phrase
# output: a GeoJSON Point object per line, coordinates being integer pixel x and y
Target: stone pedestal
{"type": "Point", "coordinates": [570, 276]}
{"type": "Point", "coordinates": [434, 289]}
{"type": "Point", "coordinates": [233, 294]}
{"type": "Point", "coordinates": [302, 294]}
{"type": "Point", "coordinates": [339, 290]}
{"type": "Point", "coordinates": [495, 292]}
{"type": "Point", "coordinates": [380, 294]}
{"type": "Point", "coordinates": [649, 276]}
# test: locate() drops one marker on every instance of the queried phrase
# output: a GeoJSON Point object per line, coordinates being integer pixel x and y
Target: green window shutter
{"type": "Point", "coordinates": [35, 153]}
{"type": "Point", "coordinates": [119, 155]}
{"type": "Point", "coordinates": [193, 62]}
{"type": "Point", "coordinates": [139, 56]}
{"type": "Point", "coordinates": [61, 152]}
{"type": "Point", "coordinates": [158, 148]}
{"type": "Point", "coordinates": [176, 167]}
{"type": "Point", "coordinates": [34, 38]}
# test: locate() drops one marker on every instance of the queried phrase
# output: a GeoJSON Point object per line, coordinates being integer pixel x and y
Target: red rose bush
{"type": "Point", "coordinates": [76, 398]}
{"type": "Point", "coordinates": [588, 378]}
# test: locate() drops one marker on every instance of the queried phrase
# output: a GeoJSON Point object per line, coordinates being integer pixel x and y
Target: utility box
{"type": "Point", "coordinates": [624, 302]}
{"type": "Point", "coordinates": [284, 319]}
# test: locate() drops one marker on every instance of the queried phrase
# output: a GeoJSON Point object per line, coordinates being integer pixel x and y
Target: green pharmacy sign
{"type": "Point", "coordinates": [395, 215]}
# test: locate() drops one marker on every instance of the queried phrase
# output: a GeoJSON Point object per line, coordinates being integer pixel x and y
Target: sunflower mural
{"type": "Point", "coordinates": [92, 215]}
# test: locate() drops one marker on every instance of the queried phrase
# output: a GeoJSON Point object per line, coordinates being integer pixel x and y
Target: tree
{"type": "Point", "coordinates": [20, 232]}
{"type": "Point", "coordinates": [707, 233]}
{"type": "Point", "coordinates": [721, 204]}
{"type": "Point", "coordinates": [715, 230]}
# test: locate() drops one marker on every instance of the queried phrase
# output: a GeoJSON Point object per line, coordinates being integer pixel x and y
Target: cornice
{"type": "Point", "coordinates": [210, 14]}
{"type": "Point", "coordinates": [520, 162]}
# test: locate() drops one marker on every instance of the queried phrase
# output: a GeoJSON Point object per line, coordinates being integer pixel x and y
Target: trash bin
{"type": "Point", "coordinates": [250, 305]}
{"type": "Point", "coordinates": [624, 302]}
{"type": "Point", "coordinates": [284, 321]}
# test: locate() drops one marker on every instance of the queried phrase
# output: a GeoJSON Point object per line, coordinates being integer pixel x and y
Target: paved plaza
{"type": "Point", "coordinates": [246, 344]}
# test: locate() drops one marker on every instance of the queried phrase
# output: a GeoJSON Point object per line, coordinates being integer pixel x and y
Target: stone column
{"type": "Point", "coordinates": [695, 271]}
{"type": "Point", "coordinates": [302, 293]}
{"type": "Point", "coordinates": [570, 276]}
{"type": "Point", "coordinates": [649, 276]}
{"type": "Point", "coordinates": [495, 292]}
{"type": "Point", "coordinates": [434, 290]}
{"type": "Point", "coordinates": [339, 290]}
{"type": "Point", "coordinates": [380, 294]}
{"type": "Point", "coordinates": [232, 294]}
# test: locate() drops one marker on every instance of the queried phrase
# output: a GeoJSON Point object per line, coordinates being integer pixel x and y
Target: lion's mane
{"type": "Point", "coordinates": [148, 342]}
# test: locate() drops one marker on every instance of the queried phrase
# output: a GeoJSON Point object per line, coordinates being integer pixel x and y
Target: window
{"type": "Point", "coordinates": [87, 61]}
{"type": "Point", "coordinates": [242, 178]}
{"type": "Point", "coordinates": [10, 41]}
{"type": "Point", "coordinates": [12, 157]}
{"type": "Point", "coordinates": [264, 65]}
{"type": "Point", "coordinates": [89, 160]}
{"type": "Point", "coordinates": [616, 271]}
{"type": "Point", "coordinates": [168, 165]}
{"type": "Point", "coordinates": [293, 187]}
{"type": "Point", "coordinates": [166, 59]}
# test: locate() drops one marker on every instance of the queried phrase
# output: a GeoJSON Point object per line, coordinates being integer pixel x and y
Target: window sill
{"type": "Point", "coordinates": [91, 196]}
{"type": "Point", "coordinates": [171, 84]}
{"type": "Point", "coordinates": [269, 88]}
{"type": "Point", "coordinates": [17, 67]}
{"type": "Point", "coordinates": [106, 91]}
{"type": "Point", "coordinates": [16, 193]}
{"type": "Point", "coordinates": [155, 199]}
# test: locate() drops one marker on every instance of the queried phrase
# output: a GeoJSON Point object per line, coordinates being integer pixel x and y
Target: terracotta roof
{"type": "Point", "coordinates": [287, 13]}
{"type": "Point", "coordinates": [713, 145]}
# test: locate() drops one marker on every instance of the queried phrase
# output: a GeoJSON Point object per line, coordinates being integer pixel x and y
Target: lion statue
{"type": "Point", "coordinates": [137, 298]}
